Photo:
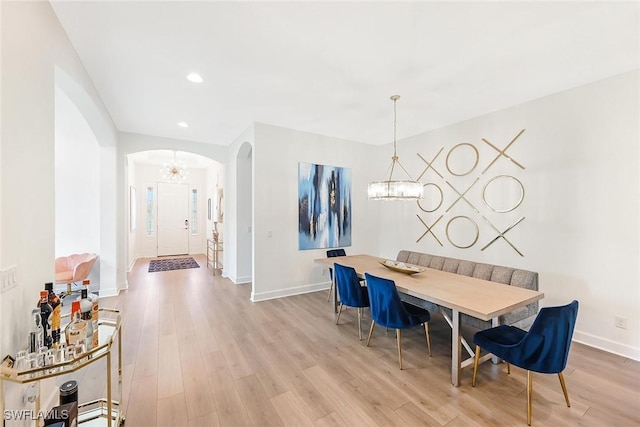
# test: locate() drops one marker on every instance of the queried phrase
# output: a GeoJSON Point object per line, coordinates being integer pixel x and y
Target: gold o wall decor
{"type": "Point", "coordinates": [508, 177]}
{"type": "Point", "coordinates": [475, 163]}
{"type": "Point", "coordinates": [475, 225]}
{"type": "Point", "coordinates": [441, 198]}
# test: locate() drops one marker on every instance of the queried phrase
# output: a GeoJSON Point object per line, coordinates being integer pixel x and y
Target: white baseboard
{"type": "Point", "coordinates": [108, 292]}
{"type": "Point", "coordinates": [238, 280]}
{"type": "Point", "coordinates": [281, 293]}
{"type": "Point", "coordinates": [607, 345]}
{"type": "Point", "coordinates": [243, 279]}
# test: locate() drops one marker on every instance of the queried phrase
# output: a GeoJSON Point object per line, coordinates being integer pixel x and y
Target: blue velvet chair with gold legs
{"type": "Point", "coordinates": [331, 253]}
{"type": "Point", "coordinates": [544, 349]}
{"type": "Point", "coordinates": [388, 310]}
{"type": "Point", "coordinates": [351, 293]}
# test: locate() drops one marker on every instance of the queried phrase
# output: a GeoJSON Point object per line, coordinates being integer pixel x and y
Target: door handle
{"type": "Point", "coordinates": [186, 224]}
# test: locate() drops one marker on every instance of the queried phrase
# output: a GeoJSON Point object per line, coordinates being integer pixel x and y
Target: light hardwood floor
{"type": "Point", "coordinates": [198, 352]}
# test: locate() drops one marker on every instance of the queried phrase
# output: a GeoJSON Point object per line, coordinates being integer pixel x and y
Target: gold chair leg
{"type": "Point", "coordinates": [508, 368]}
{"type": "Point", "coordinates": [529, 395]}
{"type": "Point", "coordinates": [564, 389]}
{"type": "Point", "coordinates": [426, 331]}
{"type": "Point", "coordinates": [373, 323]}
{"type": "Point", "coordinates": [330, 291]}
{"type": "Point", "coordinates": [399, 339]}
{"type": "Point", "coordinates": [475, 366]}
{"type": "Point", "coordinates": [359, 323]}
{"type": "Point", "coordinates": [339, 311]}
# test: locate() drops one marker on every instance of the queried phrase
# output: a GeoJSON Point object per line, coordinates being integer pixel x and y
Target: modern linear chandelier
{"type": "Point", "coordinates": [174, 171]}
{"type": "Point", "coordinates": [391, 189]}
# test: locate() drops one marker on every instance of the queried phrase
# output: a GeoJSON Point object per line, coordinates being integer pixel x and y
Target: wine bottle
{"type": "Point", "coordinates": [45, 315]}
{"type": "Point", "coordinates": [56, 305]}
{"type": "Point", "coordinates": [94, 311]}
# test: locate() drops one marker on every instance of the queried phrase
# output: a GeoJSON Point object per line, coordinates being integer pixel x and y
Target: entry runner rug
{"type": "Point", "coordinates": [172, 264]}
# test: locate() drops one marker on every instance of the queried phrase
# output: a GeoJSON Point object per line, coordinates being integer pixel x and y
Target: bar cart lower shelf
{"type": "Point", "coordinates": [96, 414]}
{"type": "Point", "coordinates": [104, 412]}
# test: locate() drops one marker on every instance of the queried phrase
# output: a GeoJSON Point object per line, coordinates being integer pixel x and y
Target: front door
{"type": "Point", "coordinates": [173, 223]}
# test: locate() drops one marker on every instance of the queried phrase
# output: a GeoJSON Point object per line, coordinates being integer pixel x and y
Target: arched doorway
{"type": "Point", "coordinates": [77, 178]}
{"type": "Point", "coordinates": [147, 180]}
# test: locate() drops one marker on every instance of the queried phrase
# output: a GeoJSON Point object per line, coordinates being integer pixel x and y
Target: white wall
{"type": "Point", "coordinates": [112, 265]}
{"type": "Point", "coordinates": [77, 180]}
{"type": "Point", "coordinates": [581, 178]}
{"type": "Point", "coordinates": [33, 49]}
{"type": "Point", "coordinates": [134, 241]}
{"type": "Point", "coordinates": [214, 176]}
{"type": "Point", "coordinates": [279, 267]}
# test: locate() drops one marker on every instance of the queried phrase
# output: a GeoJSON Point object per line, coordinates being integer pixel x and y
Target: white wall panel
{"type": "Point", "coordinates": [280, 268]}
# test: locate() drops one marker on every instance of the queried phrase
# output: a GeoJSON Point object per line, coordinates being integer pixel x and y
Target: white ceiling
{"type": "Point", "coordinates": [330, 67]}
{"type": "Point", "coordinates": [162, 157]}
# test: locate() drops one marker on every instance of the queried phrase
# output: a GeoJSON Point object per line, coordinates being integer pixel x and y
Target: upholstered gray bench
{"type": "Point", "coordinates": [522, 317]}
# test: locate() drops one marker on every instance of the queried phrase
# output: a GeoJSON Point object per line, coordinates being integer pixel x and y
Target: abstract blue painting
{"type": "Point", "coordinates": [324, 206]}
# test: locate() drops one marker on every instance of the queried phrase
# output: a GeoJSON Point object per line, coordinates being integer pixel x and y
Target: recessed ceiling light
{"type": "Point", "coordinates": [183, 124]}
{"type": "Point", "coordinates": [195, 78]}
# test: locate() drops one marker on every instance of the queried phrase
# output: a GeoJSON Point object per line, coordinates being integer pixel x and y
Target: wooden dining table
{"type": "Point", "coordinates": [479, 298]}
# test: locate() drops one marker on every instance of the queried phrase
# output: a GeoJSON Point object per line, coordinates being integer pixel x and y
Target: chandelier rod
{"type": "Point", "coordinates": [395, 159]}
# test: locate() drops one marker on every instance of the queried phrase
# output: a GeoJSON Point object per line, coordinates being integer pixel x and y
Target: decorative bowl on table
{"type": "Point", "coordinates": [402, 267]}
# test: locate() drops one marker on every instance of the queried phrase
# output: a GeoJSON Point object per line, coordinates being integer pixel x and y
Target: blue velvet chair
{"type": "Point", "coordinates": [351, 293]}
{"type": "Point", "coordinates": [544, 349]}
{"type": "Point", "coordinates": [331, 253]}
{"type": "Point", "coordinates": [388, 310]}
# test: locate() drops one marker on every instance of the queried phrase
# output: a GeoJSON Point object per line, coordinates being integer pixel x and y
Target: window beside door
{"type": "Point", "coordinates": [194, 211]}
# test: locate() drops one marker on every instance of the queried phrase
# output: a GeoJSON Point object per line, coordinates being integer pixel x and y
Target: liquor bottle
{"type": "Point", "coordinates": [56, 305]}
{"type": "Point", "coordinates": [45, 315]}
{"type": "Point", "coordinates": [94, 311]}
{"type": "Point", "coordinates": [85, 314]}
{"type": "Point", "coordinates": [85, 305]}
{"type": "Point", "coordinates": [76, 330]}
{"type": "Point", "coordinates": [36, 335]}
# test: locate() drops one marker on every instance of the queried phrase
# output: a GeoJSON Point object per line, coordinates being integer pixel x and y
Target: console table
{"type": "Point", "coordinates": [214, 249]}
